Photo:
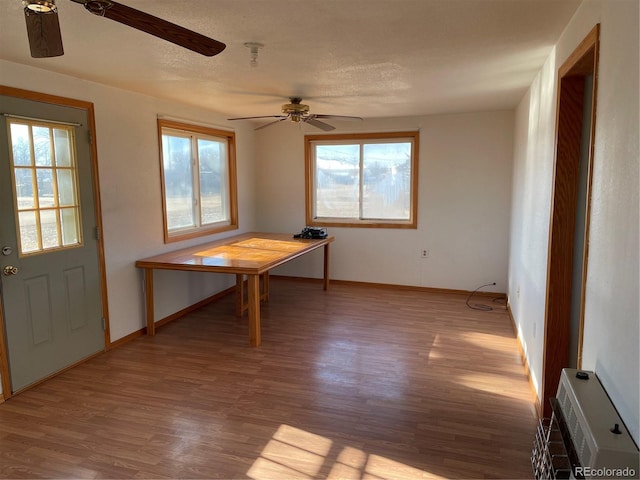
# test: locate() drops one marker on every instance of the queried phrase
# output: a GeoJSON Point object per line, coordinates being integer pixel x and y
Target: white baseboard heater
{"type": "Point", "coordinates": [585, 437]}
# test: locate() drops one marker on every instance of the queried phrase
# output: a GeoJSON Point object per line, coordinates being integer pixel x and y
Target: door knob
{"type": "Point", "coordinates": [10, 270]}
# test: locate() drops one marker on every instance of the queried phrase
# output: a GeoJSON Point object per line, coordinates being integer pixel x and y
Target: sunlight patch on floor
{"type": "Point", "coordinates": [434, 351]}
{"type": "Point", "coordinates": [486, 340]}
{"type": "Point", "coordinates": [293, 453]}
{"type": "Point", "coordinates": [496, 384]}
{"type": "Point", "coordinates": [385, 468]}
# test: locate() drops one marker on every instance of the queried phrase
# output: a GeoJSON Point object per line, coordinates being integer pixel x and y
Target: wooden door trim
{"type": "Point", "coordinates": [88, 107]}
{"type": "Point", "coordinates": [569, 110]}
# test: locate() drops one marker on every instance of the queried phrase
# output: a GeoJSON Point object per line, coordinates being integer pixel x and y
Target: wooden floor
{"type": "Point", "coordinates": [354, 383]}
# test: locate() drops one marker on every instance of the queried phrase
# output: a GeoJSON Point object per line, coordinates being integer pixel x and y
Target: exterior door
{"type": "Point", "coordinates": [50, 276]}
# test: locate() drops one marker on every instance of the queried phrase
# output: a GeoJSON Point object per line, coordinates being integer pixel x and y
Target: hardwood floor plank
{"type": "Point", "coordinates": [353, 382]}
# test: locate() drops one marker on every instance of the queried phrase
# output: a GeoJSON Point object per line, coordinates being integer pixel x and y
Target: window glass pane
{"type": "Point", "coordinates": [69, 225]}
{"type": "Point", "coordinates": [42, 185]}
{"type": "Point", "coordinates": [28, 232]}
{"type": "Point", "coordinates": [180, 212]}
{"type": "Point", "coordinates": [62, 145]}
{"type": "Point", "coordinates": [42, 146]}
{"type": "Point", "coordinates": [386, 181]}
{"type": "Point", "coordinates": [198, 166]}
{"type": "Point", "coordinates": [24, 188]}
{"type": "Point", "coordinates": [178, 181]}
{"type": "Point", "coordinates": [212, 157]}
{"type": "Point", "coordinates": [362, 180]}
{"type": "Point", "coordinates": [49, 226]}
{"type": "Point", "coordinates": [66, 187]}
{"type": "Point", "coordinates": [45, 187]}
{"type": "Point", "coordinates": [337, 178]}
{"type": "Point", "coordinates": [20, 144]}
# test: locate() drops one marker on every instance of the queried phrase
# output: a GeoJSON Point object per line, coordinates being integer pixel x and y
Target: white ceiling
{"type": "Point", "coordinates": [369, 58]}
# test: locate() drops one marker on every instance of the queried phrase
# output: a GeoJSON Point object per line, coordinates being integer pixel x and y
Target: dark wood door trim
{"type": "Point", "coordinates": [569, 118]}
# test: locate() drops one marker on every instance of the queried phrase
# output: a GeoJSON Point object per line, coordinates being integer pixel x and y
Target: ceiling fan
{"type": "Point", "coordinates": [45, 39]}
{"type": "Point", "coordinates": [297, 112]}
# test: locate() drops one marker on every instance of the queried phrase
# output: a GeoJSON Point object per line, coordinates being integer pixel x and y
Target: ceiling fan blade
{"type": "Point", "coordinates": [155, 26]}
{"type": "Point", "coordinates": [337, 117]}
{"type": "Point", "coordinates": [271, 123]}
{"type": "Point", "coordinates": [43, 30]}
{"type": "Point", "coordinates": [311, 120]}
{"type": "Point", "coordinates": [263, 116]}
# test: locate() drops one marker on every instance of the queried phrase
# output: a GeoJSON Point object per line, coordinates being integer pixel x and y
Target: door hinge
{"type": "Point", "coordinates": [104, 324]}
{"type": "Point", "coordinates": [97, 233]}
{"type": "Point", "coordinates": [89, 136]}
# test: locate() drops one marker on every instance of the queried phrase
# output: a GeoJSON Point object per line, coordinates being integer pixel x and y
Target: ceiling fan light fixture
{"type": "Point", "coordinates": [43, 28]}
{"type": "Point", "coordinates": [39, 6]}
{"type": "Point", "coordinates": [298, 112]}
{"type": "Point", "coordinates": [296, 109]}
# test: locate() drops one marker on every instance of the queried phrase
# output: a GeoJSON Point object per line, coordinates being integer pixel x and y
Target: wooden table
{"type": "Point", "coordinates": [251, 254]}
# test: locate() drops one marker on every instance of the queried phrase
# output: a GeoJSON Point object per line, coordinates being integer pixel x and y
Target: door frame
{"type": "Point", "coordinates": [88, 107]}
{"type": "Point", "coordinates": [569, 111]}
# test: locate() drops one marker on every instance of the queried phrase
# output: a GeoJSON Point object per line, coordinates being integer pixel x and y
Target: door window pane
{"type": "Point", "coordinates": [24, 188]}
{"type": "Point", "coordinates": [20, 144]}
{"type": "Point", "coordinates": [45, 187]}
{"type": "Point", "coordinates": [42, 146]}
{"type": "Point", "coordinates": [45, 179]}
{"type": "Point", "coordinates": [69, 226]}
{"type": "Point", "coordinates": [66, 188]}
{"type": "Point", "coordinates": [62, 146]}
{"type": "Point", "coordinates": [49, 227]}
{"type": "Point", "coordinates": [29, 232]}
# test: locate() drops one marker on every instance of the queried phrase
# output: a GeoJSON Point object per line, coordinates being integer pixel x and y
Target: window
{"type": "Point", "coordinates": [198, 180]}
{"type": "Point", "coordinates": [362, 180]}
{"type": "Point", "coordinates": [45, 180]}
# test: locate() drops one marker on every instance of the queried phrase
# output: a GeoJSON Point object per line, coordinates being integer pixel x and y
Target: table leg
{"type": "Point", "coordinates": [253, 282]}
{"type": "Point", "coordinates": [265, 287]}
{"type": "Point", "coordinates": [239, 294]}
{"type": "Point", "coordinates": [326, 267]}
{"type": "Point", "coordinates": [148, 301]}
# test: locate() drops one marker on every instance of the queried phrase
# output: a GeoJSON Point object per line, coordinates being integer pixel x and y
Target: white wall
{"type": "Point", "coordinates": [129, 170]}
{"type": "Point", "coordinates": [612, 317]}
{"type": "Point", "coordinates": [531, 200]}
{"type": "Point", "coordinates": [463, 211]}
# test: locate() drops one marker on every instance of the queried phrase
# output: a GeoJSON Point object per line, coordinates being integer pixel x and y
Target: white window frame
{"type": "Point", "coordinates": [195, 133]}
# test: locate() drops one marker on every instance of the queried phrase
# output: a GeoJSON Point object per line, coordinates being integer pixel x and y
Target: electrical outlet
{"type": "Point", "coordinates": [518, 293]}
{"type": "Point", "coordinates": [534, 330]}
{"type": "Point", "coordinates": [424, 253]}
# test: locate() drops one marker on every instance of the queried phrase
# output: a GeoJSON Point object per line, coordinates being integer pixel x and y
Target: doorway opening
{"type": "Point", "coordinates": [569, 220]}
